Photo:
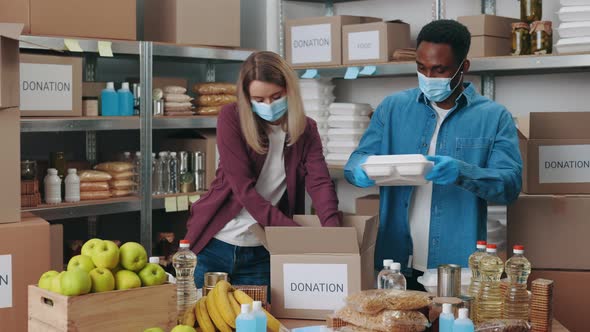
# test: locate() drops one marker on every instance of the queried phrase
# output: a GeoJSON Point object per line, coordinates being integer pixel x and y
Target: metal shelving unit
{"type": "Point", "coordinates": [30, 125]}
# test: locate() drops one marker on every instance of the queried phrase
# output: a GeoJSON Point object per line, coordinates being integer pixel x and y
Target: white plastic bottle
{"type": "Point", "coordinates": [384, 273]}
{"type": "Point", "coordinates": [259, 316]}
{"type": "Point", "coordinates": [395, 280]}
{"type": "Point", "coordinates": [52, 183]}
{"type": "Point", "coordinates": [72, 186]}
{"type": "Point", "coordinates": [446, 319]}
{"type": "Point", "coordinates": [463, 323]}
{"type": "Point", "coordinates": [245, 322]}
{"type": "Point", "coordinates": [184, 262]}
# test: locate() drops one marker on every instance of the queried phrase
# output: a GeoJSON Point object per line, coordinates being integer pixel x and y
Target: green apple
{"type": "Point", "coordinates": [56, 283]}
{"type": "Point", "coordinates": [81, 262]}
{"type": "Point", "coordinates": [45, 280]}
{"type": "Point", "coordinates": [102, 280]}
{"type": "Point", "coordinates": [89, 247]}
{"type": "Point", "coordinates": [154, 329]}
{"type": "Point", "coordinates": [152, 275]}
{"type": "Point", "coordinates": [183, 328]}
{"type": "Point", "coordinates": [133, 256]}
{"type": "Point", "coordinates": [106, 255]}
{"type": "Point", "coordinates": [126, 280]}
{"type": "Point", "coordinates": [76, 282]}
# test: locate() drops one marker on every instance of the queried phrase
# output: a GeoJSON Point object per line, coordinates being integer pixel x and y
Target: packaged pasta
{"type": "Point", "coordinates": [216, 100]}
{"type": "Point", "coordinates": [94, 176]}
{"type": "Point", "coordinates": [215, 89]}
{"type": "Point", "coordinates": [126, 175]}
{"type": "Point", "coordinates": [94, 195]}
{"type": "Point", "coordinates": [122, 184]}
{"type": "Point", "coordinates": [176, 98]}
{"type": "Point", "coordinates": [503, 325]}
{"type": "Point", "coordinates": [114, 167]}
{"type": "Point", "coordinates": [209, 110]}
{"type": "Point", "coordinates": [121, 192]}
{"type": "Point", "coordinates": [177, 90]}
{"type": "Point", "coordinates": [375, 300]}
{"type": "Point", "coordinates": [94, 186]}
{"type": "Point", "coordinates": [385, 321]}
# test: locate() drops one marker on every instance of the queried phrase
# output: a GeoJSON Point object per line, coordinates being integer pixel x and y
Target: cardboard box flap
{"type": "Point", "coordinates": [560, 125]}
{"type": "Point", "coordinates": [11, 30]}
{"type": "Point", "coordinates": [366, 229]}
{"type": "Point", "coordinates": [523, 126]}
{"type": "Point", "coordinates": [311, 240]}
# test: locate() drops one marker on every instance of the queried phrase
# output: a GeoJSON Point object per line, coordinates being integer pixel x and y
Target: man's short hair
{"type": "Point", "coordinates": [448, 32]}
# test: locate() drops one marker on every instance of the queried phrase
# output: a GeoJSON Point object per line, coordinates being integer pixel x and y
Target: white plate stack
{"type": "Point", "coordinates": [317, 95]}
{"type": "Point", "coordinates": [347, 122]}
{"type": "Point", "coordinates": [574, 30]}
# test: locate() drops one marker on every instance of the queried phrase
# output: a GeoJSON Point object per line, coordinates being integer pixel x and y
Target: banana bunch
{"type": "Point", "coordinates": [219, 309]}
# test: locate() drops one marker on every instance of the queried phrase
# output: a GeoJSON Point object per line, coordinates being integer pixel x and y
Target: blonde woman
{"type": "Point", "coordinates": [270, 153]}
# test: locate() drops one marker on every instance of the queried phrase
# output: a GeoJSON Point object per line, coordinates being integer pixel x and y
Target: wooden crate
{"type": "Point", "coordinates": [127, 310]}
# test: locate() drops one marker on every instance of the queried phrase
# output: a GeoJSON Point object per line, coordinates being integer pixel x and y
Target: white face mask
{"type": "Point", "coordinates": [438, 89]}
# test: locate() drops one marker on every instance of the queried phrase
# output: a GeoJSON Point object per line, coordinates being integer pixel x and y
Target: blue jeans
{"type": "Point", "coordinates": [245, 265]}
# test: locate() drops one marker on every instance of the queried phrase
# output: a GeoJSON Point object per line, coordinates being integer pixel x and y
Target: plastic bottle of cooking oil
{"type": "Point", "coordinates": [475, 284]}
{"type": "Point", "coordinates": [489, 301]}
{"type": "Point", "coordinates": [516, 300]}
{"type": "Point", "coordinates": [184, 262]}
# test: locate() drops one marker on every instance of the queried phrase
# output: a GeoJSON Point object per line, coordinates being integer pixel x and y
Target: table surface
{"type": "Point", "coordinates": [295, 323]}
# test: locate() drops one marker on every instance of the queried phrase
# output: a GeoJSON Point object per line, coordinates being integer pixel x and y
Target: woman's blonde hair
{"type": "Point", "coordinates": [269, 67]}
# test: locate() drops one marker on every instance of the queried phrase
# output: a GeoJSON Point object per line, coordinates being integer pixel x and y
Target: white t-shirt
{"type": "Point", "coordinates": [271, 185]}
{"type": "Point", "coordinates": [419, 215]}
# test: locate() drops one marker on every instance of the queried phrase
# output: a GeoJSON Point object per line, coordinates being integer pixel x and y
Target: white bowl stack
{"type": "Point", "coordinates": [317, 95]}
{"type": "Point", "coordinates": [347, 123]}
{"type": "Point", "coordinates": [574, 29]}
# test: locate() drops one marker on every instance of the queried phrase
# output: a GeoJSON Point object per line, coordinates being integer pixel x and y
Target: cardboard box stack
{"type": "Point", "coordinates": [317, 95]}
{"type": "Point", "coordinates": [574, 30]}
{"type": "Point", "coordinates": [490, 35]}
{"type": "Point", "coordinates": [374, 42]}
{"type": "Point", "coordinates": [551, 217]}
{"type": "Point", "coordinates": [348, 122]}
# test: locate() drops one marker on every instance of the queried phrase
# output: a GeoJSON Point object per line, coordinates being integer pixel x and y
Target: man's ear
{"type": "Point", "coordinates": [466, 66]}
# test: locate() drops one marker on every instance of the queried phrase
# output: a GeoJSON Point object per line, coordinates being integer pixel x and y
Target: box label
{"type": "Point", "coordinates": [315, 286]}
{"type": "Point", "coordinates": [5, 281]}
{"type": "Point", "coordinates": [311, 43]}
{"type": "Point", "coordinates": [46, 87]}
{"type": "Point", "coordinates": [564, 164]}
{"type": "Point", "coordinates": [363, 45]}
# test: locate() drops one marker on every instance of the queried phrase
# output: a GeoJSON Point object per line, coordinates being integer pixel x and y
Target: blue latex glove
{"type": "Point", "coordinates": [361, 179]}
{"type": "Point", "coordinates": [445, 170]}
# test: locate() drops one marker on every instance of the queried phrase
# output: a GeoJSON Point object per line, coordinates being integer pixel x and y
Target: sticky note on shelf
{"type": "Point", "coordinates": [182, 203]}
{"type": "Point", "coordinates": [105, 48]}
{"type": "Point", "coordinates": [170, 204]}
{"type": "Point", "coordinates": [351, 73]}
{"type": "Point", "coordinates": [193, 198]}
{"type": "Point", "coordinates": [72, 45]}
{"type": "Point", "coordinates": [310, 73]}
{"type": "Point", "coordinates": [368, 70]}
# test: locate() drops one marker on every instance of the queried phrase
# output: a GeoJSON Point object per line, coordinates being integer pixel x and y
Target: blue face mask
{"type": "Point", "coordinates": [272, 112]}
{"type": "Point", "coordinates": [437, 89]}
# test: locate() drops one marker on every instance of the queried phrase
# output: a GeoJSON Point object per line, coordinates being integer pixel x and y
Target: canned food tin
{"type": "Point", "coordinates": [212, 278]}
{"type": "Point", "coordinates": [449, 280]}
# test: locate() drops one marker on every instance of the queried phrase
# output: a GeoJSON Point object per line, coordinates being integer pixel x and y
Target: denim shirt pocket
{"type": "Point", "coordinates": [474, 151]}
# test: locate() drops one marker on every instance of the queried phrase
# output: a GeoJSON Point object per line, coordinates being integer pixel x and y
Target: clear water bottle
{"type": "Point", "coordinates": [156, 175]}
{"type": "Point", "coordinates": [174, 170]}
{"type": "Point", "coordinates": [384, 273]}
{"type": "Point", "coordinates": [127, 157]}
{"type": "Point", "coordinates": [137, 171]}
{"type": "Point", "coordinates": [184, 262]}
{"type": "Point", "coordinates": [516, 299]}
{"type": "Point", "coordinates": [395, 280]}
{"type": "Point", "coordinates": [164, 186]}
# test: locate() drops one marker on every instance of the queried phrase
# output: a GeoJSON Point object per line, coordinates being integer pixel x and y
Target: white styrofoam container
{"type": "Point", "coordinates": [338, 134]}
{"type": "Point", "coordinates": [323, 132]}
{"type": "Point", "coordinates": [322, 123]}
{"type": "Point", "coordinates": [320, 114]}
{"type": "Point", "coordinates": [350, 109]}
{"type": "Point", "coordinates": [574, 29]}
{"type": "Point", "coordinates": [337, 158]}
{"type": "Point", "coordinates": [315, 82]}
{"type": "Point", "coordinates": [575, 2]}
{"type": "Point", "coordinates": [317, 104]}
{"type": "Point", "coordinates": [398, 170]}
{"type": "Point", "coordinates": [348, 121]}
{"type": "Point", "coordinates": [574, 13]}
{"type": "Point", "coordinates": [573, 45]}
{"type": "Point", "coordinates": [342, 146]}
{"type": "Point", "coordinates": [317, 92]}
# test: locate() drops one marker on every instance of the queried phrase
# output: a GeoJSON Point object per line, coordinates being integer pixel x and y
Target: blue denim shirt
{"type": "Point", "coordinates": [480, 134]}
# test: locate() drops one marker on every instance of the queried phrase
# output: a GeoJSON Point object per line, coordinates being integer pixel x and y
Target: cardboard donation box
{"type": "Point", "coordinates": [373, 42]}
{"type": "Point", "coordinates": [9, 123]}
{"type": "Point", "coordinates": [50, 85]}
{"type": "Point", "coordinates": [367, 205]}
{"type": "Point", "coordinates": [214, 23]}
{"type": "Point", "coordinates": [317, 41]}
{"type": "Point", "coordinates": [313, 268]}
{"type": "Point", "coordinates": [109, 19]}
{"type": "Point", "coordinates": [490, 35]}
{"type": "Point", "coordinates": [556, 153]}
{"type": "Point", "coordinates": [24, 257]}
